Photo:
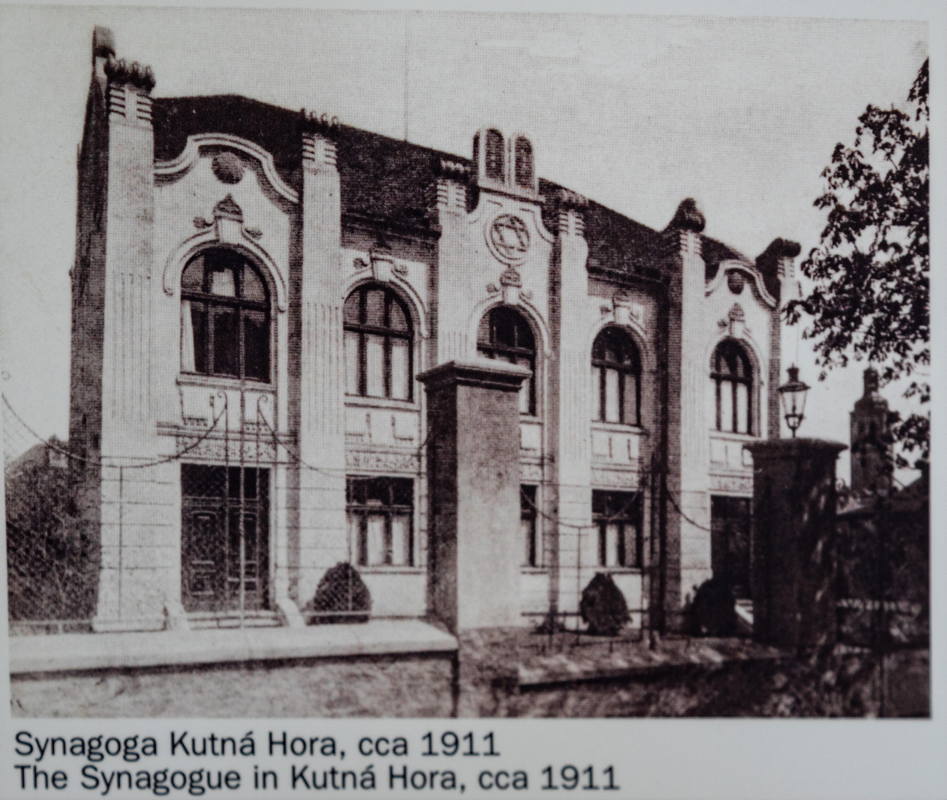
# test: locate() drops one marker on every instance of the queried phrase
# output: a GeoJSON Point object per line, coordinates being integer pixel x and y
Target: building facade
{"type": "Point", "coordinates": [256, 289]}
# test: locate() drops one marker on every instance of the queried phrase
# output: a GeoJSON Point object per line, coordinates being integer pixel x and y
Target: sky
{"type": "Point", "coordinates": [636, 112]}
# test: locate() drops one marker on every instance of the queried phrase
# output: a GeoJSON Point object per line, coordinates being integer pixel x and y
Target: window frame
{"type": "Point", "coordinates": [364, 329]}
{"type": "Point", "coordinates": [629, 512]}
{"type": "Point", "coordinates": [623, 369]}
{"type": "Point", "coordinates": [390, 509]}
{"type": "Point", "coordinates": [211, 304]}
{"type": "Point", "coordinates": [495, 350]}
{"type": "Point", "coordinates": [732, 352]}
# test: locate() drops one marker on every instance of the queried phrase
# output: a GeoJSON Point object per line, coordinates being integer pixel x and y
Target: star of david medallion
{"type": "Point", "coordinates": [509, 238]}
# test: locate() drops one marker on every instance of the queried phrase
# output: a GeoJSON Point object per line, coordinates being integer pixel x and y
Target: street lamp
{"type": "Point", "coordinates": [793, 397]}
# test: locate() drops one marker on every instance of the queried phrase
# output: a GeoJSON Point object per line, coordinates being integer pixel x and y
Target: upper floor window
{"type": "Point", "coordinates": [616, 378]}
{"type": "Point", "coordinates": [225, 317]}
{"type": "Point", "coordinates": [524, 162]}
{"type": "Point", "coordinates": [505, 334]}
{"type": "Point", "coordinates": [493, 164]}
{"type": "Point", "coordinates": [732, 377]}
{"type": "Point", "coordinates": [378, 340]}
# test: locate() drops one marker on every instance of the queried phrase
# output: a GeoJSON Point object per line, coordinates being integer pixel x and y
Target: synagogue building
{"type": "Point", "coordinates": [256, 291]}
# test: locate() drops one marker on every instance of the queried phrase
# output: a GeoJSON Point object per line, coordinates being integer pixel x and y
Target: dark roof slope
{"type": "Point", "coordinates": [390, 180]}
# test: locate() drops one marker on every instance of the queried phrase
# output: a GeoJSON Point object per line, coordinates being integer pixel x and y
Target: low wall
{"type": "Point", "coordinates": [402, 685]}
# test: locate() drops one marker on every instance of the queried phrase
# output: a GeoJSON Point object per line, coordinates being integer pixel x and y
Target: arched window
{"type": "Point", "coordinates": [524, 162]}
{"type": "Point", "coordinates": [505, 335]}
{"type": "Point", "coordinates": [378, 340]}
{"type": "Point", "coordinates": [616, 378]}
{"type": "Point", "coordinates": [732, 376]}
{"type": "Point", "coordinates": [225, 317]}
{"type": "Point", "coordinates": [493, 165]}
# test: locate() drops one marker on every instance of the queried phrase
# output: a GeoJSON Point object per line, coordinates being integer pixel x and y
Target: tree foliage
{"type": "Point", "coordinates": [870, 269]}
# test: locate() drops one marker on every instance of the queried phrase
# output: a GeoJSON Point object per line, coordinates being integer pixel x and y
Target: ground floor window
{"type": "Point", "coordinates": [529, 529]}
{"type": "Point", "coordinates": [617, 517]}
{"type": "Point", "coordinates": [224, 537]}
{"type": "Point", "coordinates": [730, 523]}
{"type": "Point", "coordinates": [380, 513]}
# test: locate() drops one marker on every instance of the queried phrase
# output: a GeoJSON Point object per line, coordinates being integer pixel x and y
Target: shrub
{"type": "Point", "coordinates": [341, 590]}
{"type": "Point", "coordinates": [713, 609]}
{"type": "Point", "coordinates": [603, 607]}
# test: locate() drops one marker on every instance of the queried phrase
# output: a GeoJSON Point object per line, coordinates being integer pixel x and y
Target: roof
{"type": "Point", "coordinates": [394, 181]}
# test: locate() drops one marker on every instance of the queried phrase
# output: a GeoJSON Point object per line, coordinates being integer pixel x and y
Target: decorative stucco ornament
{"type": "Point", "coordinates": [735, 281]}
{"type": "Point", "coordinates": [228, 167]}
{"type": "Point", "coordinates": [508, 238]}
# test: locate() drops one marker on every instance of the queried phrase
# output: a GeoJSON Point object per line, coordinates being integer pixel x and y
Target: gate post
{"type": "Point", "coordinates": [474, 550]}
{"type": "Point", "coordinates": [793, 547]}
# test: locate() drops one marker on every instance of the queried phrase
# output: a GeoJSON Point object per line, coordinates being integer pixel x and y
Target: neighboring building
{"type": "Point", "coordinates": [303, 272]}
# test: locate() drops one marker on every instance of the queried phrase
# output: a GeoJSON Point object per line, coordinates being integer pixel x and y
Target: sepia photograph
{"type": "Point", "coordinates": [436, 364]}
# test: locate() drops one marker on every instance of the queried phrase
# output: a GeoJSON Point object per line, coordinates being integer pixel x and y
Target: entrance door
{"type": "Point", "coordinates": [224, 540]}
{"type": "Point", "coordinates": [730, 523]}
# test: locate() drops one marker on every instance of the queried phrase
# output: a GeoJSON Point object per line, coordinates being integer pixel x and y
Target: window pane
{"type": "Point", "coordinates": [354, 526]}
{"type": "Point", "coordinates": [397, 320]}
{"type": "Point", "coordinates": [743, 408]}
{"type": "Point", "coordinates": [376, 539]}
{"type": "Point", "coordinates": [253, 288]}
{"type": "Point", "coordinates": [525, 396]}
{"type": "Point", "coordinates": [400, 369]}
{"type": "Point", "coordinates": [596, 394]}
{"type": "Point", "coordinates": [629, 543]}
{"type": "Point", "coordinates": [226, 343]}
{"type": "Point", "coordinates": [612, 544]}
{"type": "Point", "coordinates": [494, 160]}
{"type": "Point", "coordinates": [375, 365]}
{"type": "Point", "coordinates": [611, 396]}
{"type": "Point", "coordinates": [401, 539]}
{"type": "Point", "coordinates": [528, 536]}
{"type": "Point", "coordinates": [631, 400]}
{"type": "Point", "coordinates": [351, 308]}
{"type": "Point", "coordinates": [402, 491]}
{"type": "Point", "coordinates": [351, 362]}
{"type": "Point", "coordinates": [375, 307]}
{"type": "Point", "coordinates": [256, 335]}
{"type": "Point", "coordinates": [223, 283]}
{"type": "Point", "coordinates": [193, 277]}
{"type": "Point", "coordinates": [726, 406]}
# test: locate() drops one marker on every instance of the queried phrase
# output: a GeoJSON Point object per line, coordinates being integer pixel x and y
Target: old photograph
{"type": "Point", "coordinates": [438, 364]}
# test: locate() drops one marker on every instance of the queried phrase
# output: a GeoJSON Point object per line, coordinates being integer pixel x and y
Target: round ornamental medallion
{"type": "Point", "coordinates": [509, 238]}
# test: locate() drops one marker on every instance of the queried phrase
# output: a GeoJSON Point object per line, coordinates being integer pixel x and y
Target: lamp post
{"type": "Point", "coordinates": [792, 394]}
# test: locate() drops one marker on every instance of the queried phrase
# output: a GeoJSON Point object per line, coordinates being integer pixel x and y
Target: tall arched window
{"type": "Point", "coordinates": [616, 378]}
{"type": "Point", "coordinates": [225, 317]}
{"type": "Point", "coordinates": [504, 334]}
{"type": "Point", "coordinates": [378, 340]}
{"type": "Point", "coordinates": [493, 165]}
{"type": "Point", "coordinates": [732, 376]}
{"type": "Point", "coordinates": [524, 162]}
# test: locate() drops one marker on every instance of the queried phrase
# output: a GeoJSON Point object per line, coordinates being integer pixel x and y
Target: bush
{"type": "Point", "coordinates": [341, 590]}
{"type": "Point", "coordinates": [603, 607]}
{"type": "Point", "coordinates": [713, 610]}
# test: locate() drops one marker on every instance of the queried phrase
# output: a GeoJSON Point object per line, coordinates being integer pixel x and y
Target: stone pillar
{"type": "Point", "coordinates": [316, 538]}
{"type": "Point", "coordinates": [474, 549]}
{"type": "Point", "coordinates": [687, 541]}
{"type": "Point", "coordinates": [139, 570]}
{"type": "Point", "coordinates": [449, 307]}
{"type": "Point", "coordinates": [776, 264]}
{"type": "Point", "coordinates": [793, 558]}
{"type": "Point", "coordinates": [570, 407]}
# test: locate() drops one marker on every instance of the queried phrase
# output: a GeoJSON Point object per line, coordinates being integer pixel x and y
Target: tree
{"type": "Point", "coordinates": [870, 270]}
